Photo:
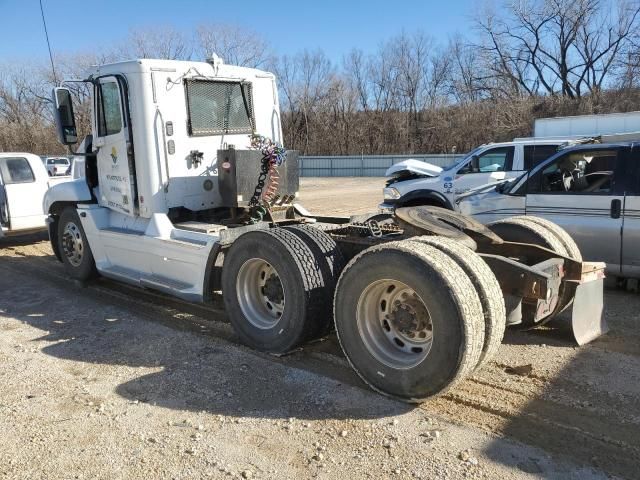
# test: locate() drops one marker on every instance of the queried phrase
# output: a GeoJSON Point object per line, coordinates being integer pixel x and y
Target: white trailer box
{"type": "Point", "coordinates": [587, 125]}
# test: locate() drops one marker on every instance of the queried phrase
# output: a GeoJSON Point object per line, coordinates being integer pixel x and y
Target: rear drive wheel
{"type": "Point", "coordinates": [571, 247]}
{"type": "Point", "coordinates": [408, 319]}
{"type": "Point", "coordinates": [530, 230]}
{"type": "Point", "coordinates": [522, 229]}
{"type": "Point", "coordinates": [330, 264]}
{"type": "Point", "coordinates": [73, 246]}
{"type": "Point", "coordinates": [273, 291]}
{"type": "Point", "coordinates": [486, 285]}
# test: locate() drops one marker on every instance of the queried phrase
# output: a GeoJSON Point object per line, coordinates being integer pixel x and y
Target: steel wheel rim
{"type": "Point", "coordinates": [72, 244]}
{"type": "Point", "coordinates": [260, 293]}
{"type": "Point", "coordinates": [394, 324]}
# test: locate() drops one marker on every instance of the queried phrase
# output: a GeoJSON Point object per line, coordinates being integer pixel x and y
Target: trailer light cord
{"type": "Point", "coordinates": [273, 155]}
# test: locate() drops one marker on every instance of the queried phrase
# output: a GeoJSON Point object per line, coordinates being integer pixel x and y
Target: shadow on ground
{"type": "Point", "coordinates": [189, 371]}
{"type": "Point", "coordinates": [589, 411]}
{"type": "Point", "coordinates": [20, 240]}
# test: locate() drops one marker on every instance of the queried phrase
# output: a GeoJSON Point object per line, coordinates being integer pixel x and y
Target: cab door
{"type": "Point", "coordinates": [116, 168]}
{"type": "Point", "coordinates": [21, 196]}
{"type": "Point", "coordinates": [489, 166]}
{"type": "Point", "coordinates": [631, 216]}
{"type": "Point", "coordinates": [581, 191]}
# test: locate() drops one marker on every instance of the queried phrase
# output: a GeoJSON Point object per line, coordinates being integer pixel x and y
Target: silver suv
{"type": "Point", "coordinates": [592, 191]}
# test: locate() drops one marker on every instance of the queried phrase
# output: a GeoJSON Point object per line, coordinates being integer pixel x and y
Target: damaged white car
{"type": "Point", "coordinates": [414, 182]}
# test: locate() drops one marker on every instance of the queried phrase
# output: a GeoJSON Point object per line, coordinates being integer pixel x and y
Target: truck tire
{"type": "Point", "coordinates": [273, 290]}
{"type": "Point", "coordinates": [486, 285]}
{"type": "Point", "coordinates": [74, 248]}
{"type": "Point", "coordinates": [330, 264]}
{"type": "Point", "coordinates": [570, 246]}
{"type": "Point", "coordinates": [561, 234]}
{"type": "Point", "coordinates": [408, 319]}
{"type": "Point", "coordinates": [524, 229]}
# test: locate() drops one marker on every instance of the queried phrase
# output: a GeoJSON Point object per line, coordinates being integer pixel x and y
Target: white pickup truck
{"type": "Point", "coordinates": [57, 166]}
{"type": "Point", "coordinates": [23, 183]}
{"type": "Point", "coordinates": [414, 183]}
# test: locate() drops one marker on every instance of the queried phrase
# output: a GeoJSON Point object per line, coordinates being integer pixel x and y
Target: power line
{"type": "Point", "coordinates": [46, 34]}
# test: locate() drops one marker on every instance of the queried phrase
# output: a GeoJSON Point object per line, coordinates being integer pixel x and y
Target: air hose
{"type": "Point", "coordinates": [273, 155]}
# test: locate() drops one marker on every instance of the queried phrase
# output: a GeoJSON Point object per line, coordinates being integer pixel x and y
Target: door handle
{"type": "Point", "coordinates": [616, 208]}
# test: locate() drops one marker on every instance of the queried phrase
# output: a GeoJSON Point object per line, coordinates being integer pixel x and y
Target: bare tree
{"type": "Point", "coordinates": [236, 45]}
{"type": "Point", "coordinates": [354, 66]}
{"type": "Point", "coordinates": [533, 58]}
{"type": "Point", "coordinates": [467, 80]}
{"type": "Point", "coordinates": [565, 47]}
{"type": "Point", "coordinates": [305, 81]}
{"type": "Point", "coordinates": [24, 112]}
{"type": "Point", "coordinates": [163, 42]}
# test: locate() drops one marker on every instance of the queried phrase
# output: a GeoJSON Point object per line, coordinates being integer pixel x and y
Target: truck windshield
{"type": "Point", "coordinates": [219, 107]}
{"type": "Point", "coordinates": [463, 159]}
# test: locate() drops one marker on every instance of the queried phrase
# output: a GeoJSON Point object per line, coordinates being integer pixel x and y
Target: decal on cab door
{"type": "Point", "coordinates": [448, 184]}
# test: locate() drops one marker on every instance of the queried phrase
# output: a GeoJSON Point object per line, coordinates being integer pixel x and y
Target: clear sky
{"type": "Point", "coordinates": [333, 25]}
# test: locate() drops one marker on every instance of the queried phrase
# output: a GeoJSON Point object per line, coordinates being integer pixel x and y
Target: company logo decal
{"type": "Point", "coordinates": [114, 155]}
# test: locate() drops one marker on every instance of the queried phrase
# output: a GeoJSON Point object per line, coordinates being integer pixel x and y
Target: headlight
{"type": "Point", "coordinates": [391, 193]}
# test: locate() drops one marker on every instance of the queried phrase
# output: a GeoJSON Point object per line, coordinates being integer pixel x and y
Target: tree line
{"type": "Point", "coordinates": [414, 94]}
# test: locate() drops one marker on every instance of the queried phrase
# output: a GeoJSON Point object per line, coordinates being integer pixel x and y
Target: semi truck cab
{"type": "Point", "coordinates": [153, 164]}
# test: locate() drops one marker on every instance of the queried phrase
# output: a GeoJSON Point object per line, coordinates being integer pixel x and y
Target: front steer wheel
{"type": "Point", "coordinates": [273, 290]}
{"type": "Point", "coordinates": [74, 248]}
{"type": "Point", "coordinates": [409, 320]}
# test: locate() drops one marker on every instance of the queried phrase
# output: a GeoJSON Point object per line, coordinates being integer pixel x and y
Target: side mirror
{"type": "Point", "coordinates": [64, 117]}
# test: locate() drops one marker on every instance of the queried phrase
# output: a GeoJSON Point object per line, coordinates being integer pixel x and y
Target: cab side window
{"type": "Point", "coordinates": [629, 171]}
{"type": "Point", "coordinates": [108, 106]}
{"type": "Point", "coordinates": [16, 170]}
{"type": "Point", "coordinates": [534, 155]}
{"type": "Point", "coordinates": [493, 160]}
{"type": "Point", "coordinates": [578, 172]}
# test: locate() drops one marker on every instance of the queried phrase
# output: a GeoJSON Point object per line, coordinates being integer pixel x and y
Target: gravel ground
{"type": "Point", "coordinates": [113, 382]}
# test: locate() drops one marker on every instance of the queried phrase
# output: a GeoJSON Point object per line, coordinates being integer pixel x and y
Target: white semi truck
{"type": "Point", "coordinates": [183, 193]}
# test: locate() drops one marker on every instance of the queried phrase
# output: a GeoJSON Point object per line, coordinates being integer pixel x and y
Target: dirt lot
{"type": "Point", "coordinates": [113, 382]}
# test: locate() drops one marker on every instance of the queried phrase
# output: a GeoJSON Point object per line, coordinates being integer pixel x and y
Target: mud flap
{"type": "Point", "coordinates": [587, 320]}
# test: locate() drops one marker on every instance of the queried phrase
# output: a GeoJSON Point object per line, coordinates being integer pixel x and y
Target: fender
{"type": "Point", "coordinates": [73, 191]}
{"type": "Point", "coordinates": [212, 275]}
{"type": "Point", "coordinates": [424, 195]}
